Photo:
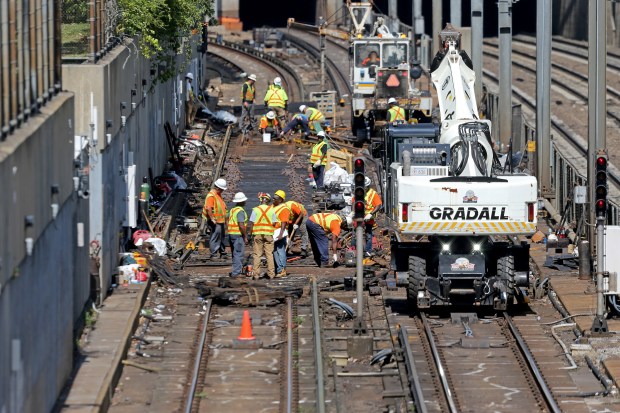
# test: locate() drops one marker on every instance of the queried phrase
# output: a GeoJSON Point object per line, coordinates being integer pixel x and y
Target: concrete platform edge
{"type": "Point", "coordinates": [104, 397]}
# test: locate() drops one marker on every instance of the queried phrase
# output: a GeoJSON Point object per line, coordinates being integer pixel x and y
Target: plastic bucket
{"type": "Point", "coordinates": [266, 137]}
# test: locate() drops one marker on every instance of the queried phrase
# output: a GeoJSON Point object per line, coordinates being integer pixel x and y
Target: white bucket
{"type": "Point", "coordinates": [266, 137]}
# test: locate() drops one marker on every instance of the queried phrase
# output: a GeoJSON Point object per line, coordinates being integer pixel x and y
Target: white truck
{"type": "Point", "coordinates": [454, 210]}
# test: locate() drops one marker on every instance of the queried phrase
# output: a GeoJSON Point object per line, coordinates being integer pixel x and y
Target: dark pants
{"type": "Point", "coordinates": [317, 173]}
{"type": "Point", "coordinates": [296, 122]}
{"type": "Point", "coordinates": [367, 233]}
{"type": "Point", "coordinates": [216, 241]}
{"type": "Point", "coordinates": [237, 245]}
{"type": "Point", "coordinates": [319, 243]}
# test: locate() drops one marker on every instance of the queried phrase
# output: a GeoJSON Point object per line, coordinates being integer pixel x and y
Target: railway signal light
{"type": "Point", "coordinates": [600, 189]}
{"type": "Point", "coordinates": [359, 192]}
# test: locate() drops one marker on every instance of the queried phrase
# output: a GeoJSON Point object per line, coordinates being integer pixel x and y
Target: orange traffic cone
{"type": "Point", "coordinates": [246, 327]}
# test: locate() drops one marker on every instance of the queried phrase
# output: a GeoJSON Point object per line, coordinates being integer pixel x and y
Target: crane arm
{"type": "Point", "coordinates": [323, 31]}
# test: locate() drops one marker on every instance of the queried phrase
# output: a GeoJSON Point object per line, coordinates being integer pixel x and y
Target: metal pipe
{"type": "Point", "coordinates": [289, 355]}
{"type": "Point", "coordinates": [543, 92]}
{"type": "Point", "coordinates": [437, 22]}
{"type": "Point", "coordinates": [359, 255]}
{"type": "Point", "coordinates": [599, 325]}
{"type": "Point", "coordinates": [406, 163]}
{"type": "Point", "coordinates": [585, 265]}
{"type": "Point", "coordinates": [505, 74]}
{"type": "Point", "coordinates": [597, 373]}
{"type": "Point", "coordinates": [455, 13]}
{"type": "Point", "coordinates": [558, 306]}
{"type": "Point", "coordinates": [320, 384]}
{"type": "Point", "coordinates": [546, 392]}
{"type": "Point", "coordinates": [477, 13]}
{"type": "Point", "coordinates": [201, 344]}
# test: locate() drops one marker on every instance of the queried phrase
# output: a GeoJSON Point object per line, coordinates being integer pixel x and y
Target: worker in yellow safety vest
{"type": "Point", "coordinates": [315, 117]}
{"type": "Point", "coordinates": [297, 224]}
{"type": "Point", "coordinates": [261, 227]}
{"type": "Point", "coordinates": [237, 234]}
{"type": "Point", "coordinates": [319, 226]}
{"type": "Point", "coordinates": [395, 113]}
{"type": "Point", "coordinates": [248, 94]}
{"type": "Point", "coordinates": [214, 215]}
{"type": "Point", "coordinates": [276, 100]}
{"type": "Point", "coordinates": [318, 159]}
{"type": "Point", "coordinates": [373, 204]}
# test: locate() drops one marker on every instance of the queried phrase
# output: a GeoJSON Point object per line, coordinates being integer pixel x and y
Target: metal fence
{"type": "Point", "coordinates": [564, 178]}
{"type": "Point", "coordinates": [88, 29]}
{"type": "Point", "coordinates": [29, 62]}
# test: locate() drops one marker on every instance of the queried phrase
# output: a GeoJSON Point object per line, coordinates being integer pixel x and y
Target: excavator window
{"type": "Point", "coordinates": [394, 55]}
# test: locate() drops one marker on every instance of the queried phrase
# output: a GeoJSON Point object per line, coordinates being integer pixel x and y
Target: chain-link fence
{"type": "Point", "coordinates": [88, 28]}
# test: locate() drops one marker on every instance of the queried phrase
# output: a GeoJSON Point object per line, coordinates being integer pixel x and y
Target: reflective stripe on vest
{"type": "Point", "coordinates": [263, 224]}
{"type": "Point", "coordinates": [314, 114]}
{"type": "Point", "coordinates": [219, 207]}
{"type": "Point", "coordinates": [233, 222]}
{"type": "Point", "coordinates": [325, 219]}
{"type": "Point", "coordinates": [302, 210]}
{"type": "Point", "coordinates": [275, 98]}
{"type": "Point", "coordinates": [317, 154]}
{"type": "Point", "coordinates": [249, 92]}
{"type": "Point", "coordinates": [396, 113]}
{"type": "Point", "coordinates": [370, 194]}
{"type": "Point", "coordinates": [278, 210]}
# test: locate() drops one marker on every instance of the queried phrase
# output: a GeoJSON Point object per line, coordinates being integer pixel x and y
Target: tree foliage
{"type": "Point", "coordinates": [161, 26]}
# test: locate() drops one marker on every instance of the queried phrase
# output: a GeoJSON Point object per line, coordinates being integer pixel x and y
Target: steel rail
{"type": "Point", "coordinates": [318, 351]}
{"type": "Point", "coordinates": [540, 381]}
{"type": "Point", "coordinates": [198, 361]}
{"type": "Point", "coordinates": [289, 355]}
{"type": "Point", "coordinates": [440, 369]}
{"type": "Point", "coordinates": [265, 58]}
{"type": "Point", "coordinates": [414, 379]}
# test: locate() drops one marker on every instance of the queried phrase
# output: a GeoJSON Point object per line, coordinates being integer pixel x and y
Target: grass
{"type": "Point", "coordinates": [90, 318]}
{"type": "Point", "coordinates": [75, 38]}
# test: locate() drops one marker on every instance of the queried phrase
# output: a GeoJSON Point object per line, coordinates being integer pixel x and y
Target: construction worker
{"type": "Point", "coordinates": [276, 99]}
{"type": "Point", "coordinates": [373, 203]}
{"type": "Point", "coordinates": [214, 214]}
{"type": "Point", "coordinates": [319, 226]}
{"type": "Point", "coordinates": [284, 214]}
{"type": "Point", "coordinates": [269, 123]}
{"type": "Point", "coordinates": [315, 117]}
{"type": "Point", "coordinates": [191, 106]}
{"type": "Point", "coordinates": [395, 113]}
{"type": "Point", "coordinates": [237, 234]}
{"type": "Point", "coordinates": [248, 93]}
{"type": "Point", "coordinates": [299, 119]}
{"type": "Point", "coordinates": [372, 59]}
{"type": "Point", "coordinates": [261, 226]}
{"type": "Point", "coordinates": [297, 224]}
{"type": "Point", "coordinates": [318, 159]}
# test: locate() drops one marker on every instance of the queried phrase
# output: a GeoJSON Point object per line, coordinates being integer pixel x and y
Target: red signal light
{"type": "Point", "coordinates": [600, 205]}
{"type": "Point", "coordinates": [359, 163]}
{"type": "Point", "coordinates": [601, 161]}
{"type": "Point", "coordinates": [359, 206]}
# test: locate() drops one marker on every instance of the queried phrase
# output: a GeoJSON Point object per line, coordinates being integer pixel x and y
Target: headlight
{"type": "Point", "coordinates": [477, 247]}
{"type": "Point", "coordinates": [445, 247]}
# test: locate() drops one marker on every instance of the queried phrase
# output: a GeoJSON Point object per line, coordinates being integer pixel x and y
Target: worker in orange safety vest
{"type": "Point", "coordinates": [214, 215]}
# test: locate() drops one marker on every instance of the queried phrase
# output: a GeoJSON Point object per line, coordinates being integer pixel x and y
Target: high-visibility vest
{"type": "Point", "coordinates": [263, 224]}
{"type": "Point", "coordinates": [396, 113]}
{"type": "Point", "coordinates": [249, 92]}
{"type": "Point", "coordinates": [370, 195]}
{"type": "Point", "coordinates": [325, 219]}
{"type": "Point", "coordinates": [314, 114]}
{"type": "Point", "coordinates": [268, 123]}
{"type": "Point", "coordinates": [233, 220]}
{"type": "Point", "coordinates": [299, 206]}
{"type": "Point", "coordinates": [278, 210]}
{"type": "Point", "coordinates": [276, 97]}
{"type": "Point", "coordinates": [317, 154]}
{"type": "Point", "coordinates": [219, 207]}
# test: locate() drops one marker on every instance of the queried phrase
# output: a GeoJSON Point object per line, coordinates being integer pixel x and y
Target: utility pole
{"type": "Point", "coordinates": [505, 73]}
{"type": "Point", "coordinates": [477, 20]}
{"type": "Point", "coordinates": [418, 26]}
{"type": "Point", "coordinates": [543, 91]}
{"type": "Point", "coordinates": [437, 27]}
{"type": "Point", "coordinates": [455, 13]}
{"type": "Point", "coordinates": [393, 15]}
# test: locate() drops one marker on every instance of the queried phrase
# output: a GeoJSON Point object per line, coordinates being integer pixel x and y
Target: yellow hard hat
{"type": "Point", "coordinates": [281, 194]}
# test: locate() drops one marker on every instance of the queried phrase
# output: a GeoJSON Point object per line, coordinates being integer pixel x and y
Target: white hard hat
{"type": "Point", "coordinates": [391, 100]}
{"type": "Point", "coordinates": [240, 197]}
{"type": "Point", "coordinates": [252, 77]}
{"type": "Point", "coordinates": [367, 181]}
{"type": "Point", "coordinates": [277, 81]}
{"type": "Point", "coordinates": [221, 183]}
{"type": "Point", "coordinates": [302, 108]}
{"type": "Point", "coordinates": [189, 75]}
{"type": "Point", "coordinates": [270, 115]}
{"type": "Point", "coordinates": [321, 133]}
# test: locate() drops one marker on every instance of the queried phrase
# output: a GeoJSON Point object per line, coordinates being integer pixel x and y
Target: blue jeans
{"type": "Point", "coordinates": [297, 122]}
{"type": "Point", "coordinates": [237, 245]}
{"type": "Point", "coordinates": [279, 254]}
{"type": "Point", "coordinates": [318, 173]}
{"type": "Point", "coordinates": [319, 243]}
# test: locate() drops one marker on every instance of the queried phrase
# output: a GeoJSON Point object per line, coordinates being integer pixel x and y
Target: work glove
{"type": "Point", "coordinates": [295, 226]}
{"type": "Point", "coordinates": [368, 217]}
{"type": "Point", "coordinates": [317, 164]}
{"type": "Point", "coordinates": [335, 257]}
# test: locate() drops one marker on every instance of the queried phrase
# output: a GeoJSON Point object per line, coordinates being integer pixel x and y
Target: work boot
{"type": "Point", "coordinates": [281, 274]}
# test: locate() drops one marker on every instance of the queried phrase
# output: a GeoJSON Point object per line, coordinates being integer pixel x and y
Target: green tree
{"type": "Point", "coordinates": [161, 26]}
